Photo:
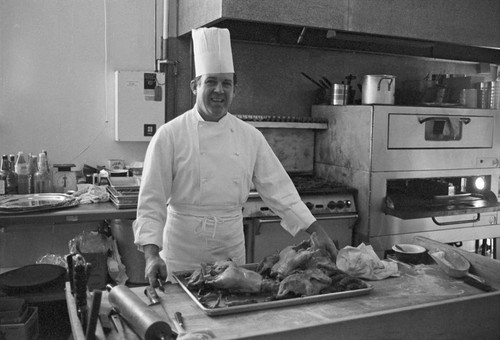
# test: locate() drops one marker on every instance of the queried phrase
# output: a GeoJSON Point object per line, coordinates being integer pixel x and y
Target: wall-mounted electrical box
{"type": "Point", "coordinates": [139, 105]}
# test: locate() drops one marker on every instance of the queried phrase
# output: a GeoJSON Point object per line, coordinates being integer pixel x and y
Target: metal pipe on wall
{"type": "Point", "coordinates": [165, 30]}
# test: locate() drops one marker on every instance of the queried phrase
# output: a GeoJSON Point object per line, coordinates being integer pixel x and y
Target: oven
{"type": "Point", "coordinates": [332, 203]}
{"type": "Point", "coordinates": [429, 171]}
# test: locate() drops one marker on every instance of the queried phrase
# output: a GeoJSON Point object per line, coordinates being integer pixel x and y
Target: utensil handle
{"type": "Point", "coordinates": [388, 85]}
{"type": "Point", "coordinates": [314, 81]}
{"type": "Point", "coordinates": [477, 278]}
{"type": "Point", "coordinates": [471, 280]}
{"type": "Point", "coordinates": [179, 322]}
{"type": "Point", "coordinates": [457, 222]}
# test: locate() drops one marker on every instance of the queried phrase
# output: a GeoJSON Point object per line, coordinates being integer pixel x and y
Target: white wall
{"type": "Point", "coordinates": [57, 63]}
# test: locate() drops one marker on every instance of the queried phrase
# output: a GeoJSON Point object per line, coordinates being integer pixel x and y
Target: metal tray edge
{"type": "Point", "coordinates": [269, 304]}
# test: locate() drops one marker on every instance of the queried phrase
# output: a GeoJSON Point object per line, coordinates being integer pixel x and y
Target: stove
{"type": "Point", "coordinates": [321, 196]}
{"type": "Point", "coordinates": [331, 203]}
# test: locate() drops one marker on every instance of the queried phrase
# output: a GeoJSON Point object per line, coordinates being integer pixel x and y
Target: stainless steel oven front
{"type": "Point", "coordinates": [391, 154]}
{"type": "Point", "coordinates": [336, 211]}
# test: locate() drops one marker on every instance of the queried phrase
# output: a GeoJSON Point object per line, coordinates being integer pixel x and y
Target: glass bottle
{"type": "Point", "coordinates": [43, 183]}
{"type": "Point", "coordinates": [11, 179]}
{"type": "Point", "coordinates": [3, 175]}
{"type": "Point", "coordinates": [47, 161]}
{"type": "Point", "coordinates": [21, 169]}
{"type": "Point", "coordinates": [12, 159]}
{"type": "Point", "coordinates": [32, 169]}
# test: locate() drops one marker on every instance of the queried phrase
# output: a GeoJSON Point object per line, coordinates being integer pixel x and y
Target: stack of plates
{"type": "Point", "coordinates": [495, 95]}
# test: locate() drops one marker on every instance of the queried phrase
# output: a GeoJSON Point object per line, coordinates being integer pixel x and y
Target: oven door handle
{"type": "Point", "coordinates": [260, 221]}
{"type": "Point", "coordinates": [457, 222]}
{"type": "Point", "coordinates": [465, 120]}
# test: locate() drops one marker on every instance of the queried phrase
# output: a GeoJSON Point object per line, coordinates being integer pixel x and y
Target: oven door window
{"type": "Point", "coordinates": [443, 129]}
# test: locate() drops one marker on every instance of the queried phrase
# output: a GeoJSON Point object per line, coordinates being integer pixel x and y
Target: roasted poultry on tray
{"type": "Point", "coordinates": [299, 270]}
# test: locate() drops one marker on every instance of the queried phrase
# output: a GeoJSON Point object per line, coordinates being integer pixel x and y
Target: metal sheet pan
{"type": "Point", "coordinates": [124, 197]}
{"type": "Point", "coordinates": [261, 300]}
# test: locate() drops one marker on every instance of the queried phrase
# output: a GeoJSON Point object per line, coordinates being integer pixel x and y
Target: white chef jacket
{"type": "Point", "coordinates": [203, 172]}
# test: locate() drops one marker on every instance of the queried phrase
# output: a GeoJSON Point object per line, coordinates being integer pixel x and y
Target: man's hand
{"type": "Point", "coordinates": [323, 238]}
{"type": "Point", "coordinates": [155, 267]}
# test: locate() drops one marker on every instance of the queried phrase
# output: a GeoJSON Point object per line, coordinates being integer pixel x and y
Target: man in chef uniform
{"type": "Point", "coordinates": [198, 171]}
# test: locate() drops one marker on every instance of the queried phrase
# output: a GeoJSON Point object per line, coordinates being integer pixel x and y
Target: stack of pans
{"type": "Point", "coordinates": [124, 191]}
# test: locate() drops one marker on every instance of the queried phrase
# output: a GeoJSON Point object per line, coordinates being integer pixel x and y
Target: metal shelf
{"type": "Point", "coordinates": [289, 125]}
{"type": "Point", "coordinates": [285, 122]}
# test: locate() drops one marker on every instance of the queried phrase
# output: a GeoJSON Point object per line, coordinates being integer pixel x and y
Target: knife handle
{"type": "Point", "coordinates": [94, 313]}
{"type": "Point", "coordinates": [69, 262]}
{"type": "Point", "coordinates": [178, 318]}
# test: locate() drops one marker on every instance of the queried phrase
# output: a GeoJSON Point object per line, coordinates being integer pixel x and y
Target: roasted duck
{"type": "Point", "coordinates": [304, 269]}
{"type": "Point", "coordinates": [303, 283]}
{"type": "Point", "coordinates": [240, 280]}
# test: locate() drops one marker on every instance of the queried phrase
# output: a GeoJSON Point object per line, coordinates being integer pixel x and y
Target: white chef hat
{"type": "Point", "coordinates": [212, 51]}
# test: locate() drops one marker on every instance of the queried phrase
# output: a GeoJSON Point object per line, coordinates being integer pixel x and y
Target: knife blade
{"type": "Point", "coordinates": [156, 305]}
{"type": "Point", "coordinates": [117, 322]}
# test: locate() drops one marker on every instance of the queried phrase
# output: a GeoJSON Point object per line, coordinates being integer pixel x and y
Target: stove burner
{"type": "Point", "coordinates": [312, 185]}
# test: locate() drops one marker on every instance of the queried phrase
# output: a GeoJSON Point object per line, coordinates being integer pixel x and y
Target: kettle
{"type": "Point", "coordinates": [378, 89]}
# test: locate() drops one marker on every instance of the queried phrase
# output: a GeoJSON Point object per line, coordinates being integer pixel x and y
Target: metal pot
{"type": "Point", "coordinates": [338, 94]}
{"type": "Point", "coordinates": [378, 89]}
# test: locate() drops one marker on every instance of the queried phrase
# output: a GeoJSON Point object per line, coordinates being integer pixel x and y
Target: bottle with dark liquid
{"type": "Point", "coordinates": [11, 176]}
{"type": "Point", "coordinates": [3, 176]}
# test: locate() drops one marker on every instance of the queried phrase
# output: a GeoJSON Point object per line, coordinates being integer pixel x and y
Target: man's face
{"type": "Point", "coordinates": [214, 94]}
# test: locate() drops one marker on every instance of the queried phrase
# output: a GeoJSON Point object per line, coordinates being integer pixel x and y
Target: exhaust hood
{"type": "Point", "coordinates": [322, 24]}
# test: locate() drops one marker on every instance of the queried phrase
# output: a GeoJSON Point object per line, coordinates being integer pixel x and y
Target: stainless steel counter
{"type": "Point", "coordinates": [81, 213]}
{"type": "Point", "coordinates": [422, 303]}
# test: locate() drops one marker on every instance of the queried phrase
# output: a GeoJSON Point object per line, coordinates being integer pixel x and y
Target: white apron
{"type": "Point", "coordinates": [213, 229]}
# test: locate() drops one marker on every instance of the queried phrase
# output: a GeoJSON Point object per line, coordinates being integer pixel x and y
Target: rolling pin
{"type": "Point", "coordinates": [144, 321]}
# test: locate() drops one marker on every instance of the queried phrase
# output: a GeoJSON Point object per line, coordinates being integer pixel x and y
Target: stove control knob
{"type": "Point", "coordinates": [340, 204]}
{"type": "Point", "coordinates": [331, 205]}
{"type": "Point", "coordinates": [309, 205]}
{"type": "Point", "coordinates": [348, 203]}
